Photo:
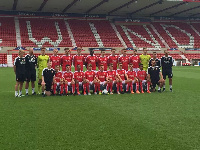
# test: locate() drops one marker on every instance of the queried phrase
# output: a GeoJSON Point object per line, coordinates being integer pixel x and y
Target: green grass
{"type": "Point", "coordinates": [157, 121]}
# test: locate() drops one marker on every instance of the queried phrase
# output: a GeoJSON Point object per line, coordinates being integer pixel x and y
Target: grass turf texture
{"type": "Point", "coordinates": [140, 121]}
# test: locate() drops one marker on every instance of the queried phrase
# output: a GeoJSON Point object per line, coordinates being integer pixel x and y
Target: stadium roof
{"type": "Point", "coordinates": [139, 8]}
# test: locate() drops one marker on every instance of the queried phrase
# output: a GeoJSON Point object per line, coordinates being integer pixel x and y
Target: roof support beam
{"type": "Point", "coordinates": [97, 5]}
{"type": "Point", "coordinates": [148, 6]}
{"type": "Point", "coordinates": [42, 5]}
{"type": "Point", "coordinates": [70, 5]}
{"type": "Point", "coordinates": [126, 4]}
{"type": "Point", "coordinates": [175, 6]}
{"type": "Point", "coordinates": [194, 15]}
{"type": "Point", "coordinates": [15, 4]}
{"type": "Point", "coordinates": [184, 11]}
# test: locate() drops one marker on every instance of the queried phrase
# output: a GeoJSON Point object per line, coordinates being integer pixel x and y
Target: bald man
{"type": "Point", "coordinates": [31, 64]}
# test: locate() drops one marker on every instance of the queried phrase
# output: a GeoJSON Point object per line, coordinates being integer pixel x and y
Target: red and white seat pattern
{"type": "Point", "coordinates": [7, 32]}
{"type": "Point", "coordinates": [44, 32]}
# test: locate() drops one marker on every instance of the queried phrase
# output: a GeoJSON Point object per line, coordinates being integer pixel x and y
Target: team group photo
{"type": "Point", "coordinates": [99, 74]}
{"type": "Point", "coordinates": [104, 74]}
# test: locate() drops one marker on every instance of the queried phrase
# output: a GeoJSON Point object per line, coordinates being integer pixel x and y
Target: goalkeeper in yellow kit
{"type": "Point", "coordinates": [144, 59]}
{"type": "Point", "coordinates": [41, 64]}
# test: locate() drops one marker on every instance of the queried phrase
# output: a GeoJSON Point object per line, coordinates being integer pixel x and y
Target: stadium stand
{"type": "Point", "coordinates": [3, 59]}
{"type": "Point", "coordinates": [82, 33]}
{"type": "Point", "coordinates": [7, 32]}
{"type": "Point", "coordinates": [44, 32]}
{"type": "Point", "coordinates": [136, 33]}
{"type": "Point", "coordinates": [107, 34]}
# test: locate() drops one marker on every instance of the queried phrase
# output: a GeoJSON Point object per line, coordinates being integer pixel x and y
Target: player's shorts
{"type": "Point", "coordinates": [144, 81]}
{"type": "Point", "coordinates": [133, 81]}
{"type": "Point", "coordinates": [123, 82]}
{"type": "Point", "coordinates": [58, 83]}
{"type": "Point", "coordinates": [91, 82]}
{"type": "Point", "coordinates": [167, 72]}
{"type": "Point", "coordinates": [69, 83]}
{"type": "Point", "coordinates": [31, 76]}
{"type": "Point", "coordinates": [154, 83]}
{"type": "Point", "coordinates": [39, 74]}
{"type": "Point", "coordinates": [80, 83]}
{"type": "Point", "coordinates": [136, 69]}
{"type": "Point", "coordinates": [48, 86]}
{"type": "Point", "coordinates": [20, 77]}
{"type": "Point", "coordinates": [102, 83]}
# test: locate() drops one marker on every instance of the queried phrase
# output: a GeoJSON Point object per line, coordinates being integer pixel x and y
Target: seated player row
{"type": "Point", "coordinates": [99, 80]}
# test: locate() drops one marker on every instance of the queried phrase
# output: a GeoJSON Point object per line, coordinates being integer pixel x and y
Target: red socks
{"type": "Point", "coordinates": [66, 88]}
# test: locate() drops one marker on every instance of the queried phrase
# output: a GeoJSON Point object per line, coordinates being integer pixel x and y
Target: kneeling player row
{"type": "Point", "coordinates": [111, 79]}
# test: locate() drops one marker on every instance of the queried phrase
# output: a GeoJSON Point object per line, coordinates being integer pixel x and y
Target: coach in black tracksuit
{"type": "Point", "coordinates": [48, 75]}
{"type": "Point", "coordinates": [31, 63]}
{"type": "Point", "coordinates": [19, 69]}
{"type": "Point", "coordinates": [167, 63]}
{"type": "Point", "coordinates": [158, 63]}
{"type": "Point", "coordinates": [154, 73]}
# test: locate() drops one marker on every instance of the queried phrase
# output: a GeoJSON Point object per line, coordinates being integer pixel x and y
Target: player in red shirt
{"type": "Point", "coordinates": [103, 60]}
{"type": "Point", "coordinates": [135, 60]}
{"type": "Point", "coordinates": [91, 59]}
{"type": "Point", "coordinates": [68, 80]}
{"type": "Point", "coordinates": [58, 82]}
{"type": "Point", "coordinates": [78, 59]}
{"type": "Point", "coordinates": [89, 79]}
{"type": "Point", "coordinates": [55, 59]}
{"type": "Point", "coordinates": [113, 59]}
{"type": "Point", "coordinates": [101, 77]}
{"type": "Point", "coordinates": [142, 79]}
{"type": "Point", "coordinates": [79, 78]}
{"type": "Point", "coordinates": [112, 78]}
{"type": "Point", "coordinates": [66, 59]}
{"type": "Point", "coordinates": [132, 77]}
{"type": "Point", "coordinates": [124, 59]}
{"type": "Point", "coordinates": [122, 76]}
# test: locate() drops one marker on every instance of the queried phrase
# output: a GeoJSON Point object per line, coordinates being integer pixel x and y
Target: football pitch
{"type": "Point", "coordinates": [157, 121]}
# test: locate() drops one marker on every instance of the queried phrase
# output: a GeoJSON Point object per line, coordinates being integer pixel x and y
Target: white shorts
{"type": "Point", "coordinates": [69, 83]}
{"type": "Point", "coordinates": [91, 83]}
{"type": "Point", "coordinates": [133, 81]}
{"type": "Point", "coordinates": [123, 82]}
{"type": "Point", "coordinates": [144, 81]}
{"type": "Point", "coordinates": [58, 83]}
{"type": "Point", "coordinates": [80, 83]}
{"type": "Point", "coordinates": [136, 69]}
{"type": "Point", "coordinates": [102, 83]}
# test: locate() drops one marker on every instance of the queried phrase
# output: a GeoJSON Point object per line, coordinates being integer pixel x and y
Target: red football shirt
{"type": "Point", "coordinates": [121, 73]}
{"type": "Point", "coordinates": [125, 61]}
{"type": "Point", "coordinates": [101, 76]}
{"type": "Point", "coordinates": [79, 76]}
{"type": "Point", "coordinates": [113, 60]}
{"type": "Point", "coordinates": [141, 74]}
{"type": "Point", "coordinates": [68, 76]}
{"type": "Point", "coordinates": [104, 61]}
{"type": "Point", "coordinates": [131, 74]}
{"type": "Point", "coordinates": [135, 60]}
{"type": "Point", "coordinates": [92, 60]}
{"type": "Point", "coordinates": [111, 74]}
{"type": "Point", "coordinates": [90, 75]}
{"type": "Point", "coordinates": [66, 60]}
{"type": "Point", "coordinates": [58, 76]}
{"type": "Point", "coordinates": [79, 60]}
{"type": "Point", "coordinates": [55, 60]}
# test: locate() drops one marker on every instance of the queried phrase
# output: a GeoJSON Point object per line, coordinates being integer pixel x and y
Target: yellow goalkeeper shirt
{"type": "Point", "coordinates": [144, 59]}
